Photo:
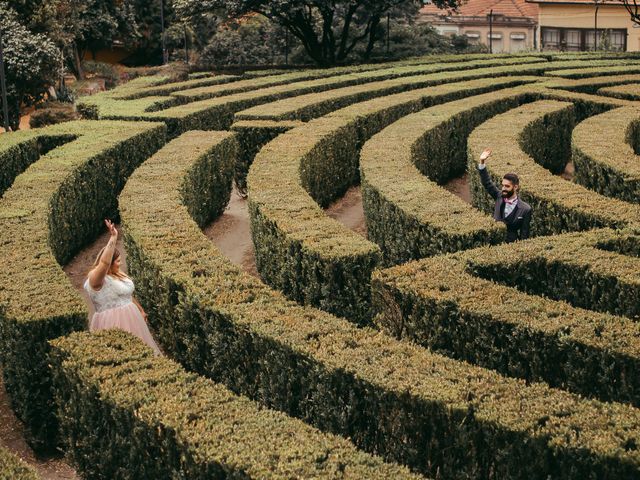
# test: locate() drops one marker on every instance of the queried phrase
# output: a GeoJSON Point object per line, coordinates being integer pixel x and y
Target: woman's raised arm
{"type": "Point", "coordinates": [97, 274]}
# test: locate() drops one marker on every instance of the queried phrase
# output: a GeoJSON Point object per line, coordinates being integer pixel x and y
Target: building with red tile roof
{"type": "Point", "coordinates": [581, 25]}
{"type": "Point", "coordinates": [502, 25]}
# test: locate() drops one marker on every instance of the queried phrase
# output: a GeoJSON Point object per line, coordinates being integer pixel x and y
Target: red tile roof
{"type": "Point", "coordinates": [481, 8]}
{"type": "Point", "coordinates": [580, 2]}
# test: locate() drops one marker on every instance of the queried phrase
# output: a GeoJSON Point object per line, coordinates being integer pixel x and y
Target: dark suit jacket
{"type": "Point", "coordinates": [518, 222]}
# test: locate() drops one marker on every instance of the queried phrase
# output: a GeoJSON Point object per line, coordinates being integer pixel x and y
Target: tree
{"type": "Point", "coordinates": [32, 64]}
{"type": "Point", "coordinates": [329, 30]}
{"type": "Point", "coordinates": [633, 8]}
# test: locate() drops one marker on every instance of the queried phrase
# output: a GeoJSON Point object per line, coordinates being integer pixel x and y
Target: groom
{"type": "Point", "coordinates": [510, 209]}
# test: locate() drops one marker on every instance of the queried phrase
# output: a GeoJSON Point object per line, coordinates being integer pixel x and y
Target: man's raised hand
{"type": "Point", "coordinates": [484, 155]}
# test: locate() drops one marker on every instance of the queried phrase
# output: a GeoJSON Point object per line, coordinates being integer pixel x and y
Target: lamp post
{"type": "Point", "coordinates": [595, 27]}
{"type": "Point", "coordinates": [3, 87]}
{"type": "Point", "coordinates": [491, 31]}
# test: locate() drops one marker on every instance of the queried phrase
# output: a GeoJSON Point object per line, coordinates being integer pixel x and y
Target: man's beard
{"type": "Point", "coordinates": [507, 194]}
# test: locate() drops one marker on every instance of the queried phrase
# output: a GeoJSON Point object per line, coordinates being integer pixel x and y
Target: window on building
{"type": "Point", "coordinates": [473, 37]}
{"type": "Point", "coordinates": [518, 41]}
{"type": "Point", "coordinates": [551, 39]}
{"type": "Point", "coordinates": [582, 39]}
{"type": "Point", "coordinates": [496, 42]}
{"type": "Point", "coordinates": [572, 40]}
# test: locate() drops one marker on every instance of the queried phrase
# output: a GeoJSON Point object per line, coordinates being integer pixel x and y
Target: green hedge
{"type": "Point", "coordinates": [466, 305]}
{"type": "Point", "coordinates": [434, 414]}
{"type": "Point", "coordinates": [252, 136]}
{"type": "Point", "coordinates": [601, 68]}
{"type": "Point", "coordinates": [299, 250]}
{"type": "Point", "coordinates": [52, 209]}
{"type": "Point", "coordinates": [604, 153]}
{"type": "Point", "coordinates": [21, 149]}
{"type": "Point", "coordinates": [558, 205]}
{"type": "Point", "coordinates": [126, 413]}
{"type": "Point", "coordinates": [410, 216]}
{"type": "Point", "coordinates": [13, 468]}
{"type": "Point", "coordinates": [592, 84]}
{"type": "Point", "coordinates": [627, 91]}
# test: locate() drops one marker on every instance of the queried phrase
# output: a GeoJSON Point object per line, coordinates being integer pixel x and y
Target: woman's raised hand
{"type": "Point", "coordinates": [112, 228]}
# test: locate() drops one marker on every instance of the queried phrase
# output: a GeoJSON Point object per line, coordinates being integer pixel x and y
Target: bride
{"type": "Point", "coordinates": [110, 291]}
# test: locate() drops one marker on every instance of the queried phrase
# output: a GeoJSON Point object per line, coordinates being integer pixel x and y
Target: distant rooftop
{"type": "Point", "coordinates": [481, 8]}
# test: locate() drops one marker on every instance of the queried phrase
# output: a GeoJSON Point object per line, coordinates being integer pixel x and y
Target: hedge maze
{"type": "Point", "coordinates": [427, 349]}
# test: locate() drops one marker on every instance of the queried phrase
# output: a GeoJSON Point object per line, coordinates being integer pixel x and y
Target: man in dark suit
{"type": "Point", "coordinates": [510, 209]}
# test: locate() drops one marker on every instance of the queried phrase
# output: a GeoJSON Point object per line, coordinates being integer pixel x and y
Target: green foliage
{"type": "Point", "coordinates": [559, 206]}
{"type": "Point", "coordinates": [604, 153]}
{"type": "Point", "coordinates": [51, 112]}
{"type": "Point", "coordinates": [51, 211]}
{"type": "Point", "coordinates": [13, 468]}
{"type": "Point", "coordinates": [429, 412]}
{"type": "Point", "coordinates": [410, 216]}
{"type": "Point", "coordinates": [145, 417]}
{"type": "Point", "coordinates": [32, 64]}
{"type": "Point", "coordinates": [466, 305]}
{"type": "Point", "coordinates": [299, 250]}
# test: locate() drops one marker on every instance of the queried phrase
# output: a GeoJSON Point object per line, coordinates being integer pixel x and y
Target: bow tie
{"type": "Point", "coordinates": [511, 202]}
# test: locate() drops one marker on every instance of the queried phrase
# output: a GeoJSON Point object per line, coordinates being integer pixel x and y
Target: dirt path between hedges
{"type": "Point", "coordinates": [231, 233]}
{"type": "Point", "coordinates": [348, 210]}
{"type": "Point", "coordinates": [12, 439]}
{"type": "Point", "coordinates": [11, 429]}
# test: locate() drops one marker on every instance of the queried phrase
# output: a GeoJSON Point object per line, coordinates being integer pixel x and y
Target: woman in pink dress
{"type": "Point", "coordinates": [111, 292]}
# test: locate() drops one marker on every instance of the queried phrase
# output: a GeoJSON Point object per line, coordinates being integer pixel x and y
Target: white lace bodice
{"type": "Point", "coordinates": [114, 293]}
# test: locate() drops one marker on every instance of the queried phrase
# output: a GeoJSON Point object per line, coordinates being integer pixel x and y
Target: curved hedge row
{"type": "Point", "coordinates": [345, 76]}
{"type": "Point", "coordinates": [53, 209]}
{"type": "Point", "coordinates": [627, 91]}
{"type": "Point", "coordinates": [306, 107]}
{"type": "Point", "coordinates": [604, 153]}
{"type": "Point", "coordinates": [148, 94]}
{"type": "Point", "coordinates": [410, 216]}
{"type": "Point", "coordinates": [520, 140]}
{"type": "Point", "coordinates": [601, 68]}
{"type": "Point", "coordinates": [429, 412]}
{"type": "Point", "coordinates": [591, 84]}
{"type": "Point", "coordinates": [299, 250]}
{"type": "Point", "coordinates": [252, 136]}
{"type": "Point", "coordinates": [127, 413]}
{"type": "Point", "coordinates": [205, 112]}
{"type": "Point", "coordinates": [13, 468]}
{"type": "Point", "coordinates": [451, 304]}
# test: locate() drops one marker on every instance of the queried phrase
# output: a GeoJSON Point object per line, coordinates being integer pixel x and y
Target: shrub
{"type": "Point", "coordinates": [126, 413]}
{"type": "Point", "coordinates": [299, 250]}
{"type": "Point", "coordinates": [412, 406]}
{"type": "Point", "coordinates": [51, 113]}
{"type": "Point", "coordinates": [13, 468]}
{"type": "Point", "coordinates": [627, 91]}
{"type": "Point", "coordinates": [52, 210]}
{"type": "Point", "coordinates": [559, 206]}
{"type": "Point", "coordinates": [603, 154]}
{"type": "Point", "coordinates": [466, 305]}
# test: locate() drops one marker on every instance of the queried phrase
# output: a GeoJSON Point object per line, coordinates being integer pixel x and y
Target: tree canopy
{"type": "Point", "coordinates": [329, 30]}
{"type": "Point", "coordinates": [32, 63]}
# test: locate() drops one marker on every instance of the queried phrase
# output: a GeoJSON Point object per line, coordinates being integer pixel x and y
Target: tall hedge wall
{"type": "Point", "coordinates": [626, 91]}
{"type": "Point", "coordinates": [126, 413]}
{"type": "Point", "coordinates": [519, 142]}
{"type": "Point", "coordinates": [252, 136]}
{"type": "Point", "coordinates": [409, 405]}
{"type": "Point", "coordinates": [299, 250]}
{"type": "Point", "coordinates": [410, 216]}
{"type": "Point", "coordinates": [51, 210]}
{"type": "Point", "coordinates": [466, 305]}
{"type": "Point", "coordinates": [604, 156]}
{"type": "Point", "coordinates": [13, 468]}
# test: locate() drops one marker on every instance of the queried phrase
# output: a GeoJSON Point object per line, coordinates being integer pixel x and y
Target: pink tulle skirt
{"type": "Point", "coordinates": [127, 318]}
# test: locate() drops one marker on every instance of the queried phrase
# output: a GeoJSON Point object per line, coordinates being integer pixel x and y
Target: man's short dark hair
{"type": "Point", "coordinates": [513, 178]}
